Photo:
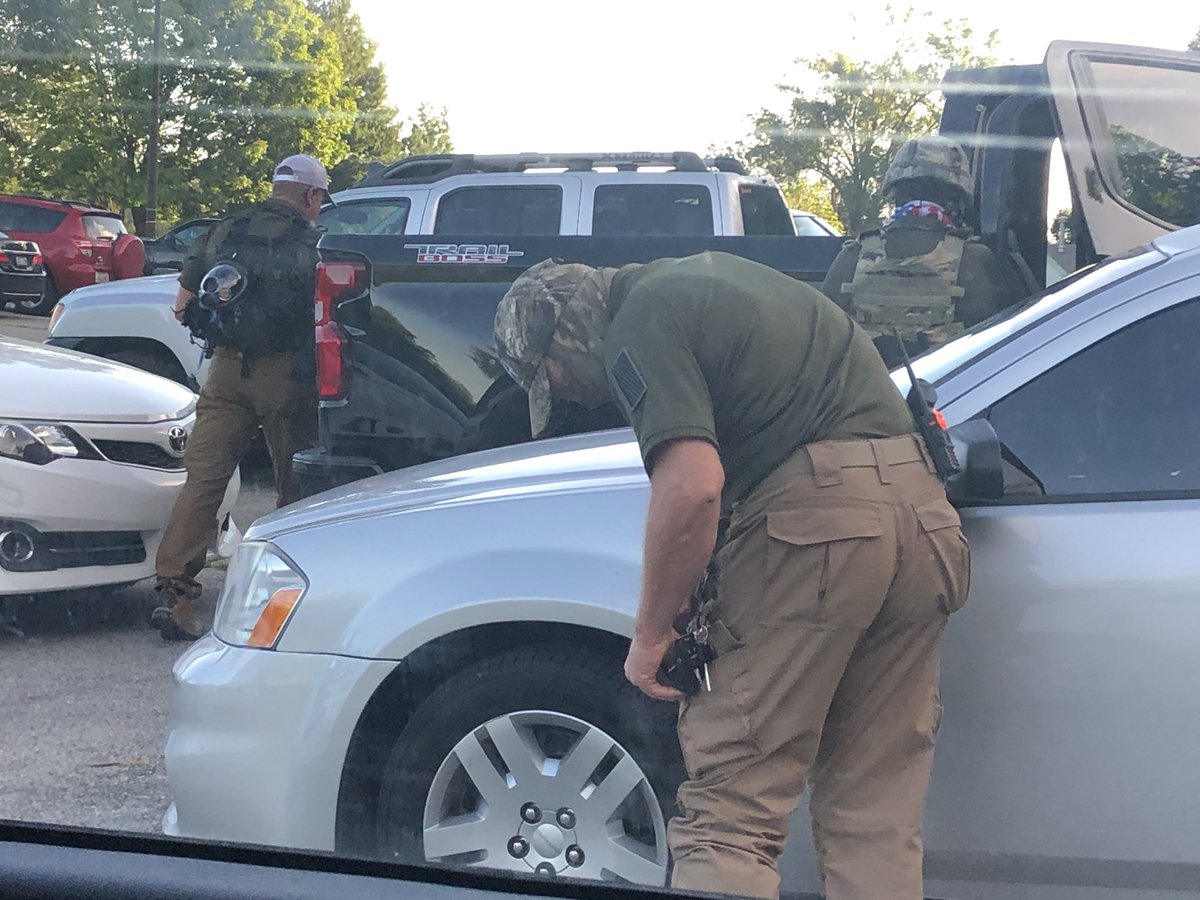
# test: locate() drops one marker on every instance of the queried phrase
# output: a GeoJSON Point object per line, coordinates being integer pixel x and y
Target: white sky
{"type": "Point", "coordinates": [622, 75]}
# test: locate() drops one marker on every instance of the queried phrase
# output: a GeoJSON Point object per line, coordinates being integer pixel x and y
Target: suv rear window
{"type": "Point", "coordinates": [25, 217]}
{"type": "Point", "coordinates": [514, 210]}
{"type": "Point", "coordinates": [763, 210]}
{"type": "Point", "coordinates": [644, 210]}
{"type": "Point", "coordinates": [103, 228]}
{"type": "Point", "coordinates": [366, 217]}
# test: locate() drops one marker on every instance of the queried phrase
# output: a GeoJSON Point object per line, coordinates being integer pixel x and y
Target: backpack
{"type": "Point", "coordinates": [278, 255]}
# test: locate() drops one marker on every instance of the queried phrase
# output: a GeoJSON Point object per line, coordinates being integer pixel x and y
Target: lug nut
{"type": "Point", "coordinates": [518, 847]}
{"type": "Point", "coordinates": [531, 813]}
{"type": "Point", "coordinates": [575, 856]}
{"type": "Point", "coordinates": [566, 818]}
{"type": "Point", "coordinates": [545, 869]}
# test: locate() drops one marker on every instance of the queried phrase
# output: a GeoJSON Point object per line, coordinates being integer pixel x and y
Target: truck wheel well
{"type": "Point", "coordinates": [136, 351]}
{"type": "Point", "coordinates": [414, 679]}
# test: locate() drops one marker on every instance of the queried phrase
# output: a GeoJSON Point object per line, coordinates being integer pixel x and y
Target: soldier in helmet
{"type": "Point", "coordinates": [924, 275]}
{"type": "Point", "coordinates": [246, 292]}
{"type": "Point", "coordinates": [756, 401]}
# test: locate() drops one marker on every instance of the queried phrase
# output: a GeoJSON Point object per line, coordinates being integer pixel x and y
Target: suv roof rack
{"type": "Point", "coordinates": [419, 169]}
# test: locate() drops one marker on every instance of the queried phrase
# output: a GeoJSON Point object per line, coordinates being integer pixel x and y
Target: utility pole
{"type": "Point", "coordinates": [152, 145]}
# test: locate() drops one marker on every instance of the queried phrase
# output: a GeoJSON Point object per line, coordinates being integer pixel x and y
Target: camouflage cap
{"type": "Point", "coordinates": [550, 303]}
{"type": "Point", "coordinates": [931, 156]}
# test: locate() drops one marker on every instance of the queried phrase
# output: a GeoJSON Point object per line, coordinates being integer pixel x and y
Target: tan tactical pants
{"type": "Point", "coordinates": [837, 578]}
{"type": "Point", "coordinates": [280, 395]}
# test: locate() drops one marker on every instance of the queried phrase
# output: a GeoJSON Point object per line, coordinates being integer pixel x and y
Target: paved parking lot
{"type": "Point", "coordinates": [83, 694]}
{"type": "Point", "coordinates": [28, 328]}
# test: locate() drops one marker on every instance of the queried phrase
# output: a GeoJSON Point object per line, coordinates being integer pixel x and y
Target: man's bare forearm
{"type": "Point", "coordinates": [681, 528]}
{"type": "Point", "coordinates": [181, 299]}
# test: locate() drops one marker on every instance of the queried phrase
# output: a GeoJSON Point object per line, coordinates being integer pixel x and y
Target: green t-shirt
{"type": "Point", "coordinates": [719, 348]}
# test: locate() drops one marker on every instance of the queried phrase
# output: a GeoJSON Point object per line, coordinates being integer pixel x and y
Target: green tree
{"type": "Point", "coordinates": [1195, 44]}
{"type": "Point", "coordinates": [375, 132]}
{"type": "Point", "coordinates": [278, 89]}
{"type": "Point", "coordinates": [243, 83]}
{"type": "Point", "coordinates": [811, 195]}
{"type": "Point", "coordinates": [847, 119]}
{"type": "Point", "coordinates": [428, 132]}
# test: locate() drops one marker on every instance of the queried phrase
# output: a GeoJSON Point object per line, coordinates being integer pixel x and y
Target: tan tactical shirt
{"type": "Point", "coordinates": [719, 348]}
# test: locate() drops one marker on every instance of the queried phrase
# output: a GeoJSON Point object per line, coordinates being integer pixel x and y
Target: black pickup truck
{"type": "Point", "coordinates": [405, 356]}
{"type": "Point", "coordinates": [405, 359]}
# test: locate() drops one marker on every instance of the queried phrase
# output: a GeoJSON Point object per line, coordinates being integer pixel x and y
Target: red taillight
{"type": "Point", "coordinates": [37, 259]}
{"type": "Point", "coordinates": [4, 257]}
{"type": "Point", "coordinates": [336, 281]}
{"type": "Point", "coordinates": [333, 362]}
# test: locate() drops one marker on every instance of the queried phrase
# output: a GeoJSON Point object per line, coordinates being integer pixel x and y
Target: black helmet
{"type": "Point", "coordinates": [223, 286]}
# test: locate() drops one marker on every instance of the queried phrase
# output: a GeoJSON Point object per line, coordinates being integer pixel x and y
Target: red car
{"type": "Point", "coordinates": [81, 244]}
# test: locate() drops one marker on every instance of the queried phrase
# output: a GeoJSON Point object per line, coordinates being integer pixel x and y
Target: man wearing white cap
{"type": "Point", "coordinates": [246, 293]}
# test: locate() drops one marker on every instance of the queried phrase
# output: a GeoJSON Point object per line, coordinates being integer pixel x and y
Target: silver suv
{"type": "Point", "coordinates": [602, 194]}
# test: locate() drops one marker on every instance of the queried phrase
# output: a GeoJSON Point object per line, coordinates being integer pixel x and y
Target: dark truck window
{"type": "Point", "coordinates": [21, 217]}
{"type": "Point", "coordinates": [1152, 114]}
{"type": "Point", "coordinates": [645, 210]}
{"type": "Point", "coordinates": [383, 216]}
{"type": "Point", "coordinates": [763, 210]}
{"type": "Point", "coordinates": [1122, 416]}
{"type": "Point", "coordinates": [507, 210]}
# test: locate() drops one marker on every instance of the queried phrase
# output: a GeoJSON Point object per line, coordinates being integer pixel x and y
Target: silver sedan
{"type": "Point", "coordinates": [426, 665]}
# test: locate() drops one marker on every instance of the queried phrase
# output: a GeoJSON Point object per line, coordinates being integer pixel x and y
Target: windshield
{"type": "Point", "coordinates": [528, 492]}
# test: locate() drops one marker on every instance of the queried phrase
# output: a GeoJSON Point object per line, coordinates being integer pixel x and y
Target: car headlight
{"type": "Point", "coordinates": [57, 314]}
{"type": "Point", "coordinates": [262, 589]}
{"type": "Point", "coordinates": [39, 442]}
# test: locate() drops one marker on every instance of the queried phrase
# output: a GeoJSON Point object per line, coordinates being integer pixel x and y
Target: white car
{"type": "Point", "coordinates": [811, 223]}
{"type": "Point", "coordinates": [91, 461]}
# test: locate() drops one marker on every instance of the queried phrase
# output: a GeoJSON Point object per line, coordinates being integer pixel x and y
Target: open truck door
{"type": "Point", "coordinates": [1130, 123]}
{"type": "Point", "coordinates": [1118, 126]}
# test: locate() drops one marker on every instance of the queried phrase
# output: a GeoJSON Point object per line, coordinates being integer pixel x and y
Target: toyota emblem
{"type": "Point", "coordinates": [177, 438]}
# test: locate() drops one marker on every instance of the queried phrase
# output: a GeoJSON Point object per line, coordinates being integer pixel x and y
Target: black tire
{"type": "Point", "coordinates": [148, 361]}
{"type": "Point", "coordinates": [567, 681]}
{"type": "Point", "coordinates": [45, 305]}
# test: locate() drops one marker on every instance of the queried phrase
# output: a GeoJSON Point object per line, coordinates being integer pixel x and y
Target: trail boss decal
{"type": "Point", "coordinates": [464, 254]}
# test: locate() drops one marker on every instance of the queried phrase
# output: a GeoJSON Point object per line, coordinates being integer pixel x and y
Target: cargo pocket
{"type": "Point", "coordinates": [941, 530]}
{"type": "Point", "coordinates": [823, 563]}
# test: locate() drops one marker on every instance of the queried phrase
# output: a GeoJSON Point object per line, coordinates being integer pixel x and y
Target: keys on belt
{"type": "Point", "coordinates": [685, 667]}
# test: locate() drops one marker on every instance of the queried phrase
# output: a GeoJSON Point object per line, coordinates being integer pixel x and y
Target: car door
{"type": "Point", "coordinates": [1066, 758]}
{"type": "Point", "coordinates": [1130, 122]}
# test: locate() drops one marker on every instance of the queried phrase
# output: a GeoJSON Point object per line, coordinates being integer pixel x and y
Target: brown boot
{"type": "Point", "coordinates": [174, 618]}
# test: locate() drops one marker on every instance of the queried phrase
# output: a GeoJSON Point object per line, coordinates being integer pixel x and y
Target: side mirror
{"type": "Point", "coordinates": [978, 449]}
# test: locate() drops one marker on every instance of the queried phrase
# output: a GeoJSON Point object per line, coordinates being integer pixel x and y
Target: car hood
{"type": "Point", "coordinates": [150, 289]}
{"type": "Point", "coordinates": [49, 384]}
{"type": "Point", "coordinates": [596, 460]}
